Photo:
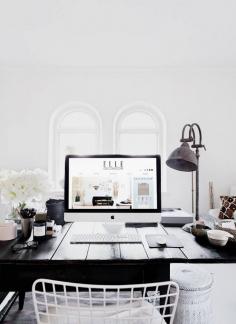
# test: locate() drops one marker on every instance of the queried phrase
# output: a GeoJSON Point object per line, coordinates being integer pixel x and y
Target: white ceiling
{"type": "Point", "coordinates": [132, 33]}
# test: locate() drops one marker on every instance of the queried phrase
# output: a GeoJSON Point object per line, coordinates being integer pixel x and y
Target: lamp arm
{"type": "Point", "coordinates": [195, 125]}
{"type": "Point", "coordinates": [190, 138]}
{"type": "Point", "coordinates": [197, 146]}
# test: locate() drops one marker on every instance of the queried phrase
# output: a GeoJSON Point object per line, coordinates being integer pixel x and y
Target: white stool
{"type": "Point", "coordinates": [195, 304]}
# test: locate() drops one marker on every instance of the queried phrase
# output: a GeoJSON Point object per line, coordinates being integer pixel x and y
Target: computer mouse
{"type": "Point", "coordinates": [162, 240]}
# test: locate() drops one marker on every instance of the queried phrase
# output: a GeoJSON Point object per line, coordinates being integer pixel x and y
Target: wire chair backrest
{"type": "Point", "coordinates": [58, 302]}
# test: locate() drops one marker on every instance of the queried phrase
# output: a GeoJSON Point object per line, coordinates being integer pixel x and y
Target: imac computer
{"type": "Point", "coordinates": [120, 188]}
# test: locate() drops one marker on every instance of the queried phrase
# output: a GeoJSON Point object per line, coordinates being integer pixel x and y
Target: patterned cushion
{"type": "Point", "coordinates": [228, 207]}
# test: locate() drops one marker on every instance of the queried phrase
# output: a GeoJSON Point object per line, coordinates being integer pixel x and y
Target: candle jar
{"type": "Point", "coordinates": [39, 230]}
{"type": "Point", "coordinates": [49, 227]}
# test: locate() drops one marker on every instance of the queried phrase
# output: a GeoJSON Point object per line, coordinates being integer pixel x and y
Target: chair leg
{"type": "Point", "coordinates": [21, 299]}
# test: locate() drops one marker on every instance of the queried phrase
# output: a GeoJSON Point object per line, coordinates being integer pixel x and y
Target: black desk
{"type": "Point", "coordinates": [122, 263]}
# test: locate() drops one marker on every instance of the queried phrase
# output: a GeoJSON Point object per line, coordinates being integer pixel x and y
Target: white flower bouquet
{"type": "Point", "coordinates": [21, 187]}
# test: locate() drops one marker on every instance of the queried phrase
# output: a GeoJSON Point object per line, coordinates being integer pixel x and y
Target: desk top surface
{"type": "Point", "coordinates": [60, 250]}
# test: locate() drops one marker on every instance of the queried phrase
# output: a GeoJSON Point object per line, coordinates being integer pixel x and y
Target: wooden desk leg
{"type": "Point", "coordinates": [157, 273]}
{"type": "Point", "coordinates": [21, 299]}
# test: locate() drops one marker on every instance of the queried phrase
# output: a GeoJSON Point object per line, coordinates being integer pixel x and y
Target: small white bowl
{"type": "Point", "coordinates": [113, 227]}
{"type": "Point", "coordinates": [218, 237]}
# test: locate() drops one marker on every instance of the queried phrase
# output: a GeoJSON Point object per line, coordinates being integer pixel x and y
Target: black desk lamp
{"type": "Point", "coordinates": [184, 159]}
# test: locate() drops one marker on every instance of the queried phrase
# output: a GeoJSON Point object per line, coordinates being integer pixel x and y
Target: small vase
{"type": "Point", "coordinates": [26, 227]}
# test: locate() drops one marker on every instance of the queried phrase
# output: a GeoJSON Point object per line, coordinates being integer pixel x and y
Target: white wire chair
{"type": "Point", "coordinates": [63, 302]}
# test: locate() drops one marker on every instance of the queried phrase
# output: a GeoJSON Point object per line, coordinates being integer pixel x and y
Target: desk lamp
{"type": "Point", "coordinates": [184, 159]}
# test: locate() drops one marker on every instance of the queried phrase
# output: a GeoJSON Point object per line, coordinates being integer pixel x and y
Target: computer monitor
{"type": "Point", "coordinates": [121, 188]}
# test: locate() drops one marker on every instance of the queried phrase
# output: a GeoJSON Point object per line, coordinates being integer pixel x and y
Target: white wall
{"type": "Point", "coordinates": [28, 98]}
{"type": "Point", "coordinates": [223, 294]}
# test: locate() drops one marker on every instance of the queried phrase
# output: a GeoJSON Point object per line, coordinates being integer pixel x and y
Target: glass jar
{"type": "Point", "coordinates": [39, 230]}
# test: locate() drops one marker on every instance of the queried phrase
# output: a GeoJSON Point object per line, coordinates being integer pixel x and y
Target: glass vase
{"type": "Point", "coordinates": [26, 227]}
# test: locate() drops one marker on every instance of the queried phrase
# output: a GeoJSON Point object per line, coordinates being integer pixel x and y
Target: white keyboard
{"type": "Point", "coordinates": [105, 238]}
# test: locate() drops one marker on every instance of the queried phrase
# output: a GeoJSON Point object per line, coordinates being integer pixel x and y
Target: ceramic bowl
{"type": "Point", "coordinates": [218, 237]}
{"type": "Point", "coordinates": [113, 227]}
{"type": "Point", "coordinates": [8, 231]}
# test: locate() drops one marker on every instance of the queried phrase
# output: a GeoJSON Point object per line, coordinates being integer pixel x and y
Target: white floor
{"type": "Point", "coordinates": [224, 292]}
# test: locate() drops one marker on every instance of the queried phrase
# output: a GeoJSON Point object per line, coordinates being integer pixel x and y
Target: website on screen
{"type": "Point", "coordinates": [112, 183]}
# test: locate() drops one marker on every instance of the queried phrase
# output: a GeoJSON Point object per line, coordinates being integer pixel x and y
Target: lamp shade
{"type": "Point", "coordinates": [183, 159]}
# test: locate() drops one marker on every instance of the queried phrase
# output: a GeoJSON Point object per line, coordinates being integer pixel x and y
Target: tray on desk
{"type": "Point", "coordinates": [202, 238]}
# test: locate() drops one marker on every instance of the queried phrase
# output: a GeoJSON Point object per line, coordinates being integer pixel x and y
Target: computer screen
{"type": "Point", "coordinates": [112, 183]}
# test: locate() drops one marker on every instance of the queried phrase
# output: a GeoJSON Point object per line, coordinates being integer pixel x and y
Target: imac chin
{"type": "Point", "coordinates": [120, 217]}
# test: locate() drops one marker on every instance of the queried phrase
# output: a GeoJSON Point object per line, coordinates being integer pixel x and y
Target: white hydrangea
{"type": "Point", "coordinates": [23, 186]}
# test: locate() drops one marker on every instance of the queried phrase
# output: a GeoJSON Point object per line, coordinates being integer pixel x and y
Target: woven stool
{"type": "Point", "coordinates": [195, 304]}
